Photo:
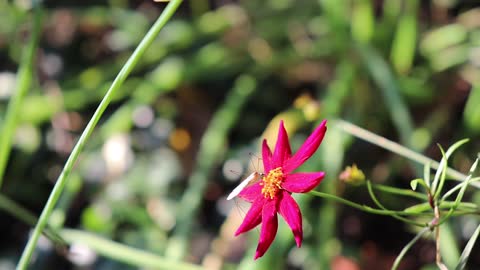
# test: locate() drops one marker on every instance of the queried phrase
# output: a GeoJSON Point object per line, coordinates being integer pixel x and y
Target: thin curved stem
{"type": "Point", "coordinates": [365, 208]}
{"type": "Point", "coordinates": [400, 191]}
{"type": "Point", "coordinates": [377, 202]}
{"type": "Point", "coordinates": [396, 148]}
{"type": "Point", "coordinates": [457, 187]}
{"type": "Point", "coordinates": [404, 251]}
{"type": "Point", "coordinates": [24, 215]}
{"type": "Point", "coordinates": [117, 83]}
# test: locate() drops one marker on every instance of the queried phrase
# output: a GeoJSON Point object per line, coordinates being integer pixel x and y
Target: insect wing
{"type": "Point", "coordinates": [242, 185]}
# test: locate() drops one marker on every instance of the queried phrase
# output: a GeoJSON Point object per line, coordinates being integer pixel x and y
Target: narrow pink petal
{"type": "Point", "coordinates": [291, 213]}
{"type": "Point", "coordinates": [251, 193]}
{"type": "Point", "coordinates": [266, 156]}
{"type": "Point", "coordinates": [253, 217]}
{"type": "Point", "coordinates": [307, 149]}
{"type": "Point", "coordinates": [302, 182]}
{"type": "Point", "coordinates": [282, 150]}
{"type": "Point", "coordinates": [269, 228]}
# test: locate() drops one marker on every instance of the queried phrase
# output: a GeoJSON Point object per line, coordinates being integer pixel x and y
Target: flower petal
{"type": "Point", "coordinates": [266, 156]}
{"type": "Point", "coordinates": [307, 149]}
{"type": "Point", "coordinates": [253, 217]}
{"type": "Point", "coordinates": [302, 182]}
{"type": "Point", "coordinates": [269, 228]}
{"type": "Point", "coordinates": [290, 211]}
{"type": "Point", "coordinates": [282, 150]}
{"type": "Point", "coordinates": [251, 193]}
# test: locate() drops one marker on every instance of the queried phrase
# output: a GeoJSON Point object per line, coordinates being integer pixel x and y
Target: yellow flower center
{"type": "Point", "coordinates": [271, 183]}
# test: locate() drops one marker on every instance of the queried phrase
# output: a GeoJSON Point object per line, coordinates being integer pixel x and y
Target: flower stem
{"type": "Point", "coordinates": [365, 208]}
{"type": "Point", "coordinates": [24, 80]}
{"type": "Point", "coordinates": [117, 83]}
{"type": "Point", "coordinates": [380, 205]}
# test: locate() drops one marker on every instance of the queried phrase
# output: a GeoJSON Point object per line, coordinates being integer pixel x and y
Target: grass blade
{"type": "Point", "coordinates": [468, 250]}
{"type": "Point", "coordinates": [124, 253]}
{"type": "Point", "coordinates": [117, 83]}
{"type": "Point", "coordinates": [24, 81]}
{"type": "Point", "coordinates": [404, 251]}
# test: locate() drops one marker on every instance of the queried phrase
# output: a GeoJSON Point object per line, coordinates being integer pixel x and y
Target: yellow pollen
{"type": "Point", "coordinates": [272, 183]}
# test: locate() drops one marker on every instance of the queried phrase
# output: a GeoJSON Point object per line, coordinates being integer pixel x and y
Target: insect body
{"type": "Point", "coordinates": [253, 177]}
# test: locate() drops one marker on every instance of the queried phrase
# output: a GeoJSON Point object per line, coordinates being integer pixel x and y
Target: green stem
{"type": "Point", "coordinates": [423, 207]}
{"type": "Point", "coordinates": [400, 191]}
{"type": "Point", "coordinates": [24, 81]}
{"type": "Point", "coordinates": [365, 208]}
{"type": "Point", "coordinates": [126, 254]}
{"type": "Point", "coordinates": [117, 83]}
{"type": "Point", "coordinates": [377, 202]}
{"type": "Point", "coordinates": [460, 194]}
{"type": "Point", "coordinates": [17, 211]}
{"type": "Point", "coordinates": [24, 215]}
{"type": "Point", "coordinates": [440, 175]}
{"type": "Point", "coordinates": [416, 210]}
{"type": "Point", "coordinates": [388, 84]}
{"type": "Point", "coordinates": [457, 187]}
{"type": "Point", "coordinates": [400, 256]}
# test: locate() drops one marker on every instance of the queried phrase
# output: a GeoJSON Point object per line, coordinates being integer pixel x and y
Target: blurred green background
{"type": "Point", "coordinates": [179, 134]}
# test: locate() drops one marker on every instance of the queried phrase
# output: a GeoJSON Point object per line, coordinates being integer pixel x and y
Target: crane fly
{"type": "Point", "coordinates": [253, 177]}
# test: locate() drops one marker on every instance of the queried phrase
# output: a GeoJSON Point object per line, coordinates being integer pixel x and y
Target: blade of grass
{"type": "Point", "coordinates": [123, 253]}
{"type": "Point", "coordinates": [457, 187]}
{"type": "Point", "coordinates": [24, 80]}
{"type": "Point", "coordinates": [117, 83]}
{"type": "Point", "coordinates": [404, 251]}
{"type": "Point", "coordinates": [426, 174]}
{"type": "Point", "coordinates": [397, 148]}
{"type": "Point", "coordinates": [405, 40]}
{"type": "Point", "coordinates": [386, 81]}
{"type": "Point", "coordinates": [468, 250]}
{"type": "Point", "coordinates": [332, 155]}
{"type": "Point", "coordinates": [447, 246]}
{"type": "Point", "coordinates": [24, 215]}
{"type": "Point", "coordinates": [460, 194]}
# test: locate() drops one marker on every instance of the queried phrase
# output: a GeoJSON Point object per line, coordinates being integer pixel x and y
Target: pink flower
{"type": "Point", "coordinates": [272, 193]}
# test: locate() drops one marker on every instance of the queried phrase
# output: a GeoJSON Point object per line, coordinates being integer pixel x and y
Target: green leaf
{"type": "Point", "coordinates": [413, 184]}
{"type": "Point", "coordinates": [437, 184]}
{"type": "Point", "coordinates": [468, 250]}
{"type": "Point", "coordinates": [442, 38]}
{"type": "Point", "coordinates": [400, 256]}
{"type": "Point", "coordinates": [363, 21]}
{"type": "Point", "coordinates": [418, 208]}
{"type": "Point", "coordinates": [404, 43]}
{"type": "Point", "coordinates": [471, 114]}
